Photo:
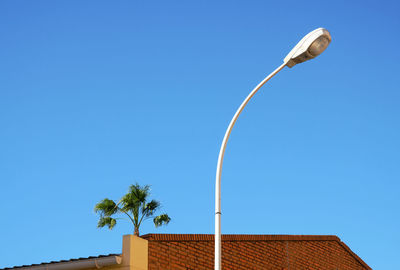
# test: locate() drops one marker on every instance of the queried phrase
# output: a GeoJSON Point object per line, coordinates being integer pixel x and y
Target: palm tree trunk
{"type": "Point", "coordinates": [136, 231]}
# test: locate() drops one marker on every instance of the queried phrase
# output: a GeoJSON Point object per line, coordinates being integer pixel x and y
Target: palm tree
{"type": "Point", "coordinates": [134, 205]}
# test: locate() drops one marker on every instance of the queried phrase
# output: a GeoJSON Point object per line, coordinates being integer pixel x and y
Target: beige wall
{"type": "Point", "coordinates": [134, 253]}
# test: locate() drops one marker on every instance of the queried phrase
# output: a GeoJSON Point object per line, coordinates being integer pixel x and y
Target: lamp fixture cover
{"type": "Point", "coordinates": [309, 47]}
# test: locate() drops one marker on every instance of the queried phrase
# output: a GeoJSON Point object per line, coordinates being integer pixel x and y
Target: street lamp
{"type": "Point", "coordinates": [309, 47]}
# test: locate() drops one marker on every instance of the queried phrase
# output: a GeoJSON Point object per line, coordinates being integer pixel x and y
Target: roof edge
{"type": "Point", "coordinates": [81, 263]}
{"type": "Point", "coordinates": [355, 256]}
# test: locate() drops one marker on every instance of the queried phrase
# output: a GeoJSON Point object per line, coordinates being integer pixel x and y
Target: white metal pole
{"type": "Point", "coordinates": [217, 258]}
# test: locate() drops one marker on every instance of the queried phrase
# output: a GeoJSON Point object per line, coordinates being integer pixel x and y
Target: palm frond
{"type": "Point", "coordinates": [135, 198]}
{"type": "Point", "coordinates": [106, 221]}
{"type": "Point", "coordinates": [106, 207]}
{"type": "Point", "coordinates": [128, 202]}
{"type": "Point", "coordinates": [161, 220]}
{"type": "Point", "coordinates": [139, 193]}
{"type": "Point", "coordinates": [150, 208]}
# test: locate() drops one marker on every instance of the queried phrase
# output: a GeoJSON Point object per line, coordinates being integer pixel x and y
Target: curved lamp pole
{"type": "Point", "coordinates": [309, 47]}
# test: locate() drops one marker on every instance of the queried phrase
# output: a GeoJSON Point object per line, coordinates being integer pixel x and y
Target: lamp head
{"type": "Point", "coordinates": [309, 47]}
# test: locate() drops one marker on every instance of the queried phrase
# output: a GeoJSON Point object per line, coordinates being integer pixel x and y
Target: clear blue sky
{"type": "Point", "coordinates": [96, 95]}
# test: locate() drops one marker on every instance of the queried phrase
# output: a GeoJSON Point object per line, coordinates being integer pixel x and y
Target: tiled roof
{"type": "Point", "coordinates": [196, 251]}
{"type": "Point", "coordinates": [61, 261]}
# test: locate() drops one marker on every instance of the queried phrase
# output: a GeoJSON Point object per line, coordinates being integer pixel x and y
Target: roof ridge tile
{"type": "Point", "coordinates": [239, 237]}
